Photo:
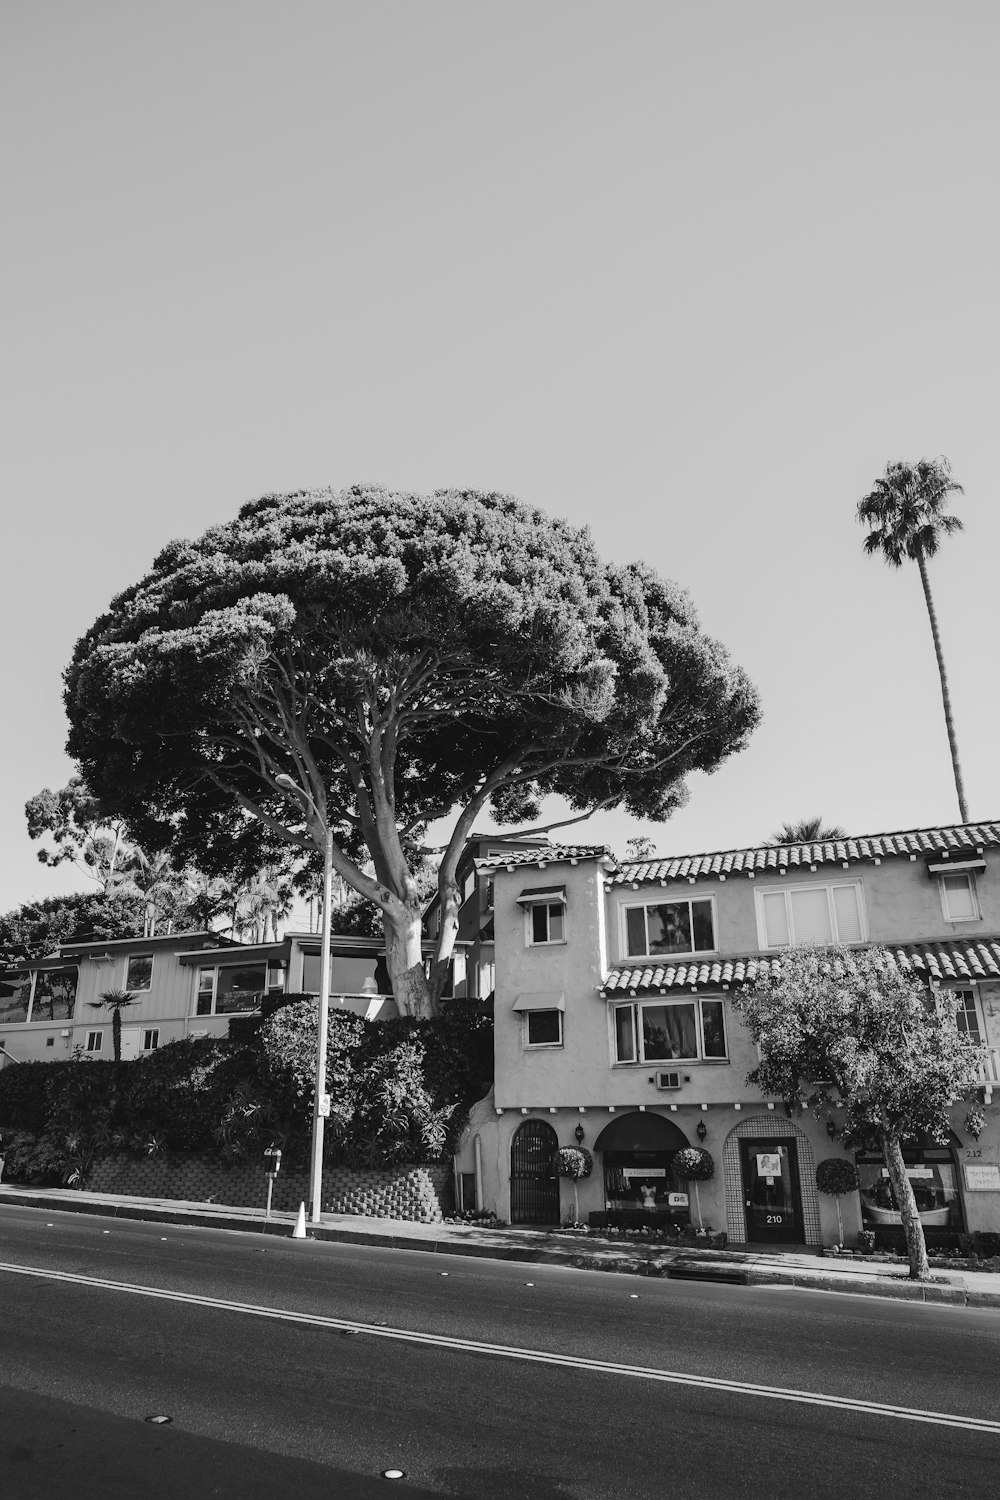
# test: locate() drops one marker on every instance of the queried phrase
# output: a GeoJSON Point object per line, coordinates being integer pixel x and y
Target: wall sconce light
{"type": "Point", "coordinates": [831, 1130]}
{"type": "Point", "coordinates": [578, 1132]}
{"type": "Point", "coordinates": [701, 1130]}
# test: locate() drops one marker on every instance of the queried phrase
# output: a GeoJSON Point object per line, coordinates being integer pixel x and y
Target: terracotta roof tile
{"type": "Point", "coordinates": [945, 961]}
{"type": "Point", "coordinates": [962, 838]}
{"type": "Point", "coordinates": [546, 855]}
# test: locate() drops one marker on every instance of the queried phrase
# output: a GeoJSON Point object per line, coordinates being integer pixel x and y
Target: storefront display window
{"type": "Point", "coordinates": [932, 1173]}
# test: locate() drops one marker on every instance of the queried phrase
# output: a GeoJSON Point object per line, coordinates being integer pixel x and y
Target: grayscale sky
{"type": "Point", "coordinates": [689, 274]}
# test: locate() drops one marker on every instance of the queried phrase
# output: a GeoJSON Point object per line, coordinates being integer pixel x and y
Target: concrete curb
{"type": "Point", "coordinates": [719, 1267]}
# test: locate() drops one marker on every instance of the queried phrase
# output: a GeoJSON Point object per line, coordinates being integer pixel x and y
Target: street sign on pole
{"type": "Point", "coordinates": [323, 1107]}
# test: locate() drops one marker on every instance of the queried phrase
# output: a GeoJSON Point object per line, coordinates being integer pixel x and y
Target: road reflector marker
{"type": "Point", "coordinates": [393, 1474]}
{"type": "Point", "coordinates": [160, 1420]}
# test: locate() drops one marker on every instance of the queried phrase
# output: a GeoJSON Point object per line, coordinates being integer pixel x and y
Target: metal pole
{"type": "Point", "coordinates": [324, 1004]}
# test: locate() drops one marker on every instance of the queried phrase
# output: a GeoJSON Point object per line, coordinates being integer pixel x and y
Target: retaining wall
{"type": "Point", "coordinates": [422, 1193]}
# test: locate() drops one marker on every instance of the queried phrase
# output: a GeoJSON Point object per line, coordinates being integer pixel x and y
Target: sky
{"type": "Point", "coordinates": [689, 275]}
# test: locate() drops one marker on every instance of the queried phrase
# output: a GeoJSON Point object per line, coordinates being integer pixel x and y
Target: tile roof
{"type": "Point", "coordinates": [961, 838]}
{"type": "Point", "coordinates": [547, 854]}
{"type": "Point", "coordinates": [937, 961]}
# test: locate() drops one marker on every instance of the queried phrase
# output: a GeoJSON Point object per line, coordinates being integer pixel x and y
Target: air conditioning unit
{"type": "Point", "coordinates": [668, 1080]}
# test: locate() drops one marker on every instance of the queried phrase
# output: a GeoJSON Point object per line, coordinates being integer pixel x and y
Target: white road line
{"type": "Point", "coordinates": [534, 1356]}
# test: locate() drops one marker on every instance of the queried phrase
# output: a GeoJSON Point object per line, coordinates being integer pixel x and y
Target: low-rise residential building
{"type": "Point", "coordinates": [615, 1028]}
{"type": "Point", "coordinates": [184, 984]}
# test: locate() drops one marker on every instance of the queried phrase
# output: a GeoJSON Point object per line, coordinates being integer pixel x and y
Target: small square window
{"type": "Point", "coordinates": [151, 1040]}
{"type": "Point", "coordinates": [50, 1041]}
{"type": "Point", "coordinates": [958, 897]}
{"type": "Point", "coordinates": [140, 971]}
{"type": "Point", "coordinates": [543, 1028]}
{"type": "Point", "coordinates": [95, 1041]}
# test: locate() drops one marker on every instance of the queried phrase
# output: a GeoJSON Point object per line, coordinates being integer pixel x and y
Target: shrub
{"type": "Point", "coordinates": [694, 1165]}
{"type": "Point", "coordinates": [574, 1162]}
{"type": "Point", "coordinates": [836, 1176]}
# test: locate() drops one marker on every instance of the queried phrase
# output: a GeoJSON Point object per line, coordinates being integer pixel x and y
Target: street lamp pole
{"type": "Point", "coordinates": [324, 1014]}
{"type": "Point", "coordinates": [319, 1100]}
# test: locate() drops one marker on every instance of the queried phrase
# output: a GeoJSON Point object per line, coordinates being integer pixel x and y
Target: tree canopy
{"type": "Point", "coordinates": [367, 662]}
{"type": "Point", "coordinates": [849, 1030]}
{"type": "Point", "coordinates": [807, 831]}
{"type": "Point", "coordinates": [38, 927]}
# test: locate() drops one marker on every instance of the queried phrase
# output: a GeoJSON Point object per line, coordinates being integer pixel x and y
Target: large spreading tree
{"type": "Point", "coordinates": [367, 662]}
{"type": "Point", "coordinates": [851, 1034]}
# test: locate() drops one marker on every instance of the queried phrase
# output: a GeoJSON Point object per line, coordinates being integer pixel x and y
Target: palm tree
{"type": "Point", "coordinates": [906, 513]}
{"type": "Point", "coordinates": [115, 1001]}
{"type": "Point", "coordinates": [806, 831]}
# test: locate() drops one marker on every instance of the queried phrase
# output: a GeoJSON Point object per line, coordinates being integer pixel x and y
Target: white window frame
{"type": "Point", "coordinates": [530, 1046]}
{"type": "Point", "coordinates": [147, 1044]}
{"type": "Point", "coordinates": [954, 990]}
{"type": "Point", "coordinates": [802, 885]}
{"type": "Point", "coordinates": [95, 1041]}
{"type": "Point", "coordinates": [636, 1006]}
{"type": "Point", "coordinates": [135, 989]}
{"type": "Point", "coordinates": [529, 924]}
{"type": "Point", "coordinates": [665, 900]}
{"type": "Point", "coordinates": [969, 875]}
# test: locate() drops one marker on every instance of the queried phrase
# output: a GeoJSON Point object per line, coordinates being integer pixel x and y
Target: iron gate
{"type": "Point", "coordinates": [534, 1182]}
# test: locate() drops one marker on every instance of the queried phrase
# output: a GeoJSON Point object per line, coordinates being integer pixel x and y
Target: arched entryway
{"type": "Point", "coordinates": [638, 1150]}
{"type": "Point", "coordinates": [534, 1181]}
{"type": "Point", "coordinates": [770, 1175]}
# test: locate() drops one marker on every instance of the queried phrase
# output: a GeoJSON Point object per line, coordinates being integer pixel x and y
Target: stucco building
{"type": "Point", "coordinates": [615, 1028]}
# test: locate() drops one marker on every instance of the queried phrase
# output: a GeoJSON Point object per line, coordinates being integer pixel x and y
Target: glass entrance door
{"type": "Point", "coordinates": [771, 1196]}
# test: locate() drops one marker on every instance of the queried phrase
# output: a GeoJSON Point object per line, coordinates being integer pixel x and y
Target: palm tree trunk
{"type": "Point", "coordinates": [945, 695]}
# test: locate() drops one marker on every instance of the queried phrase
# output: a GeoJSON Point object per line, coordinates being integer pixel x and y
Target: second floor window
{"type": "Point", "coordinates": [231, 989]}
{"type": "Point", "coordinates": [958, 897]}
{"type": "Point", "coordinates": [670, 927]}
{"type": "Point", "coordinates": [967, 1016]}
{"type": "Point", "coordinates": [686, 1031]}
{"type": "Point", "coordinates": [139, 974]}
{"type": "Point", "coordinates": [811, 914]}
{"type": "Point", "coordinates": [546, 922]}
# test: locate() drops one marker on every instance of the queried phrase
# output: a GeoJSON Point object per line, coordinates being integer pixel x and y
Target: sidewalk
{"type": "Point", "coordinates": [586, 1252]}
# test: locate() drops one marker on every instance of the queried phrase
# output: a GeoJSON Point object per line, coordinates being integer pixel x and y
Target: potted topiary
{"type": "Point", "coordinates": [694, 1165]}
{"type": "Point", "coordinates": [575, 1163]}
{"type": "Point", "coordinates": [836, 1177]}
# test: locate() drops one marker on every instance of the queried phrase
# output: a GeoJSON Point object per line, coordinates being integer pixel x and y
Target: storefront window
{"type": "Point", "coordinates": [931, 1171]}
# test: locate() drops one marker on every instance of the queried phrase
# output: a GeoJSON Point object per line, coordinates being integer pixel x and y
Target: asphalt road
{"type": "Point", "coordinates": [475, 1378]}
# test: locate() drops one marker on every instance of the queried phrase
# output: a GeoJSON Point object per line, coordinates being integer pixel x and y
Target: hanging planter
{"type": "Point", "coordinates": [575, 1163]}
{"type": "Point", "coordinates": [694, 1165]}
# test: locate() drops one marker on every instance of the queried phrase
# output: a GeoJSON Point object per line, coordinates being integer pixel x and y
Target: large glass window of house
{"type": "Point", "coordinates": [546, 923]}
{"type": "Point", "coordinates": [234, 988]}
{"type": "Point", "coordinates": [811, 914]}
{"type": "Point", "coordinates": [15, 997]}
{"type": "Point", "coordinates": [651, 1031]}
{"type": "Point", "coordinates": [365, 974]}
{"type": "Point", "coordinates": [139, 974]}
{"type": "Point", "coordinates": [670, 927]}
{"type": "Point", "coordinates": [958, 897]}
{"type": "Point", "coordinates": [55, 995]}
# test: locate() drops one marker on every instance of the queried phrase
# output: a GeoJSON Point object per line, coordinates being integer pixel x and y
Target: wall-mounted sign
{"type": "Point", "coordinates": [980, 1177]}
{"type": "Point", "coordinates": [635, 1174]}
{"type": "Point", "coordinates": [769, 1164]}
{"type": "Point", "coordinates": [677, 1200]}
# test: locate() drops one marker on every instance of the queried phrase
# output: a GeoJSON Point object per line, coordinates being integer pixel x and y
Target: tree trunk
{"type": "Point", "coordinates": [945, 694]}
{"type": "Point", "coordinates": [116, 1034]}
{"type": "Point", "coordinates": [916, 1248]}
{"type": "Point", "coordinates": [410, 988]}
